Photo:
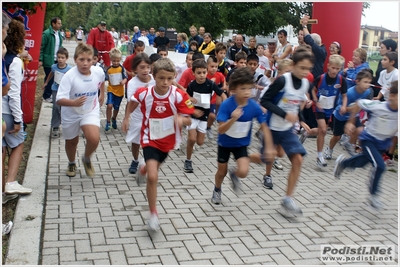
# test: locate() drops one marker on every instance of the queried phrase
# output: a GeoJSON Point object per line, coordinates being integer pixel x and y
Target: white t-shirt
{"type": "Point", "coordinates": [133, 85]}
{"type": "Point", "coordinates": [386, 79]}
{"type": "Point", "coordinates": [180, 68]}
{"type": "Point", "coordinates": [263, 64]}
{"type": "Point", "coordinates": [74, 85]}
{"type": "Point", "coordinates": [145, 40]}
{"type": "Point", "coordinates": [79, 34]}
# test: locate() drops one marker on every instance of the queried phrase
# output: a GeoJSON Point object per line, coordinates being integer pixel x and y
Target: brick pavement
{"type": "Point", "coordinates": [101, 221]}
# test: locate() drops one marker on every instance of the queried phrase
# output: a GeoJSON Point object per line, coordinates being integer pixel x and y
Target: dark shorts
{"type": "Point", "coordinates": [338, 126]}
{"type": "Point", "coordinates": [78, 39]}
{"type": "Point", "coordinates": [225, 152]}
{"type": "Point", "coordinates": [289, 142]}
{"type": "Point", "coordinates": [150, 152]}
{"type": "Point", "coordinates": [213, 108]}
{"type": "Point", "coordinates": [322, 116]}
{"type": "Point", "coordinates": [114, 100]}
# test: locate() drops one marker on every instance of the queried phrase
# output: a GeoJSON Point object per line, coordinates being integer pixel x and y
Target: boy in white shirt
{"type": "Point", "coordinates": [78, 96]}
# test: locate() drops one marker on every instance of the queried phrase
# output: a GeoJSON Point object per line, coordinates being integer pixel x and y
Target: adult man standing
{"type": "Point", "coordinates": [195, 36]}
{"type": "Point", "coordinates": [51, 42]}
{"type": "Point", "coordinates": [151, 36]}
{"type": "Point", "coordinates": [318, 49]}
{"type": "Point", "coordinates": [143, 38]}
{"type": "Point", "coordinates": [271, 47]}
{"type": "Point", "coordinates": [136, 34]}
{"type": "Point", "coordinates": [102, 40]}
{"type": "Point", "coordinates": [285, 49]}
{"type": "Point", "coordinates": [202, 31]}
{"type": "Point", "coordinates": [237, 47]}
{"type": "Point", "coordinates": [162, 39]}
{"type": "Point", "coordinates": [114, 34]}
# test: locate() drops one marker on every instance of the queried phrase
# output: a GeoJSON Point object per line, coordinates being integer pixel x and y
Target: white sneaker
{"type": "Point", "coordinates": [7, 228]}
{"type": "Point", "coordinates": [375, 202]}
{"type": "Point", "coordinates": [16, 188]}
{"type": "Point", "coordinates": [321, 162]}
{"type": "Point", "coordinates": [153, 223]}
{"type": "Point", "coordinates": [328, 153]}
{"type": "Point", "coordinates": [210, 135]}
{"type": "Point", "coordinates": [49, 100]}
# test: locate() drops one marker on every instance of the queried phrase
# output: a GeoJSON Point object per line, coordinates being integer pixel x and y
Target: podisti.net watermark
{"type": "Point", "coordinates": [355, 253]}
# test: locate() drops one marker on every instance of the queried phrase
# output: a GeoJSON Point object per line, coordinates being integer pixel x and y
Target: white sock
{"type": "Point", "coordinates": [319, 154]}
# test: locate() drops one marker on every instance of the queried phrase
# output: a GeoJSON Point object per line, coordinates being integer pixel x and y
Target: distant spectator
{"type": "Point", "coordinates": [357, 64]}
{"type": "Point", "coordinates": [162, 39]}
{"type": "Point", "coordinates": [208, 46]}
{"type": "Point", "coordinates": [237, 47]}
{"type": "Point", "coordinates": [136, 34]}
{"type": "Point", "coordinates": [151, 36]}
{"type": "Point", "coordinates": [102, 40]}
{"type": "Point", "coordinates": [388, 45]}
{"type": "Point", "coordinates": [195, 36]}
{"type": "Point", "coordinates": [202, 31]}
{"type": "Point", "coordinates": [193, 46]}
{"type": "Point", "coordinates": [143, 37]}
{"type": "Point", "coordinates": [182, 46]}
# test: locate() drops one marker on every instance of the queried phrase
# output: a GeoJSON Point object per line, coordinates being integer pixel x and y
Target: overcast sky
{"type": "Point", "coordinates": [385, 14]}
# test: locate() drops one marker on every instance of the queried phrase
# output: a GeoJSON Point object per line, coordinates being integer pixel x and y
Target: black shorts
{"type": "Point", "coordinates": [150, 152]}
{"type": "Point", "coordinates": [338, 126]}
{"type": "Point", "coordinates": [321, 116]}
{"type": "Point", "coordinates": [225, 152]}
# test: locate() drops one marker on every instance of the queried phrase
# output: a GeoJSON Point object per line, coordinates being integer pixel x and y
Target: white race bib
{"type": "Point", "coordinates": [160, 128]}
{"type": "Point", "coordinates": [115, 78]}
{"type": "Point", "coordinates": [327, 102]}
{"type": "Point", "coordinates": [58, 76]}
{"type": "Point", "coordinates": [203, 100]}
{"type": "Point", "coordinates": [88, 106]}
{"type": "Point", "coordinates": [239, 129]}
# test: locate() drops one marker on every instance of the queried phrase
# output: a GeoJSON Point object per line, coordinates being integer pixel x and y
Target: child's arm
{"type": "Point", "coordinates": [354, 109]}
{"type": "Point", "coordinates": [342, 109]}
{"type": "Point", "coordinates": [102, 90]}
{"type": "Point", "coordinates": [77, 102]}
{"type": "Point", "coordinates": [269, 152]}
{"type": "Point", "coordinates": [130, 107]}
{"type": "Point", "coordinates": [174, 83]}
{"type": "Point", "coordinates": [51, 74]}
{"type": "Point", "coordinates": [379, 96]}
{"type": "Point", "coordinates": [235, 115]}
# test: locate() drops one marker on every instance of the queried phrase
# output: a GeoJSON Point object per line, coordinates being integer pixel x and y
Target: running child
{"type": "Point", "coordinates": [220, 54]}
{"type": "Point", "coordinates": [200, 91]}
{"type": "Point", "coordinates": [260, 80]}
{"type": "Point", "coordinates": [284, 100]}
{"type": "Point", "coordinates": [325, 96]}
{"type": "Point", "coordinates": [141, 66]}
{"type": "Point", "coordinates": [235, 118]}
{"type": "Point", "coordinates": [375, 139]}
{"type": "Point", "coordinates": [361, 90]}
{"type": "Point", "coordinates": [115, 75]}
{"type": "Point", "coordinates": [57, 71]}
{"type": "Point", "coordinates": [78, 97]}
{"type": "Point", "coordinates": [165, 110]}
{"type": "Point", "coordinates": [219, 79]}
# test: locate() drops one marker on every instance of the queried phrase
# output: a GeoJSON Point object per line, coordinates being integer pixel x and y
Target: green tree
{"type": "Point", "coordinates": [54, 9]}
{"type": "Point", "coordinates": [77, 15]}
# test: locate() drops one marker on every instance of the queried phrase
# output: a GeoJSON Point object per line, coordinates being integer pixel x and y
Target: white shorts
{"type": "Point", "coordinates": [198, 125]}
{"type": "Point", "coordinates": [73, 129]}
{"type": "Point", "coordinates": [133, 134]}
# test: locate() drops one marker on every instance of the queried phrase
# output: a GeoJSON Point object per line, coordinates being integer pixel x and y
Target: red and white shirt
{"type": "Point", "coordinates": [159, 128]}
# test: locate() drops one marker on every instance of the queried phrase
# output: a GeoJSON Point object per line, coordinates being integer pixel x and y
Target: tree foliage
{"type": "Point", "coordinates": [54, 9]}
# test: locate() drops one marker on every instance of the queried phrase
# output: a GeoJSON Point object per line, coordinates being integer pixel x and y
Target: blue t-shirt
{"type": "Point", "coordinates": [352, 97]}
{"type": "Point", "coordinates": [240, 132]}
{"type": "Point", "coordinates": [58, 74]}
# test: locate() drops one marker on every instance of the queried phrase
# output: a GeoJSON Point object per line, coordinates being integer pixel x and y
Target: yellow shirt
{"type": "Point", "coordinates": [114, 75]}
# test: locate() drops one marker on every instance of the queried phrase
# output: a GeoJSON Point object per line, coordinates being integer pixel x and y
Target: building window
{"type": "Point", "coordinates": [382, 34]}
{"type": "Point", "coordinates": [375, 44]}
{"type": "Point", "coordinates": [365, 35]}
{"type": "Point", "coordinates": [376, 33]}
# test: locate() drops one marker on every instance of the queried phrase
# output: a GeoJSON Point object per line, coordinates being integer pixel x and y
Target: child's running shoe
{"type": "Point", "coordinates": [153, 222]}
{"type": "Point", "coordinates": [290, 208]}
{"type": "Point", "coordinates": [107, 128]}
{"type": "Point", "coordinates": [267, 181]}
{"type": "Point", "coordinates": [236, 184]}
{"type": "Point", "coordinates": [114, 123]}
{"type": "Point", "coordinates": [216, 197]}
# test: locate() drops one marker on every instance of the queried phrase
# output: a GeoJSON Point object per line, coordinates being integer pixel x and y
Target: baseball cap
{"type": "Point", "coordinates": [103, 23]}
{"type": "Point", "coordinates": [161, 29]}
{"type": "Point", "coordinates": [271, 40]}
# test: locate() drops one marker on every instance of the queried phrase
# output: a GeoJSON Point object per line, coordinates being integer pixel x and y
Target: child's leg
{"type": "Point", "coordinates": [70, 148]}
{"type": "Point", "coordinates": [92, 136]}
{"type": "Point", "coordinates": [135, 151]}
{"type": "Point", "coordinates": [333, 141]}
{"type": "Point", "coordinates": [222, 170]}
{"type": "Point", "coordinates": [322, 128]}
{"type": "Point", "coordinates": [108, 112]}
{"type": "Point", "coordinates": [192, 137]}
{"type": "Point", "coordinates": [242, 167]}
{"type": "Point", "coordinates": [296, 160]}
{"type": "Point", "coordinates": [338, 130]}
{"type": "Point", "coordinates": [211, 119]}
{"type": "Point", "coordinates": [152, 167]}
{"type": "Point", "coordinates": [200, 138]}
{"type": "Point", "coordinates": [392, 147]}
{"type": "Point", "coordinates": [56, 113]}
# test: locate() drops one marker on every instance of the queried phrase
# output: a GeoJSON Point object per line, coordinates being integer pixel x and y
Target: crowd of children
{"type": "Point", "coordinates": [164, 98]}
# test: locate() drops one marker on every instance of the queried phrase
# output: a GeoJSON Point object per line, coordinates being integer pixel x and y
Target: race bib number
{"type": "Point", "coordinates": [115, 78]}
{"type": "Point", "coordinates": [239, 129]}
